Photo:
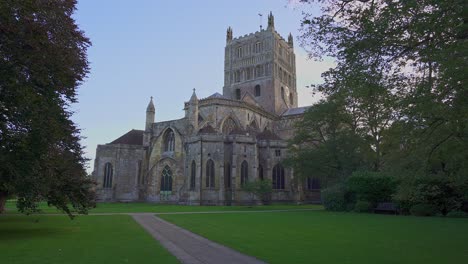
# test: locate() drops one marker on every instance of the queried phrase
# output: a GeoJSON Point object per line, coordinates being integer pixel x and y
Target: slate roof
{"type": "Point", "coordinates": [217, 95]}
{"type": "Point", "coordinates": [132, 137]}
{"type": "Point", "coordinates": [267, 135]}
{"type": "Point", "coordinates": [295, 111]}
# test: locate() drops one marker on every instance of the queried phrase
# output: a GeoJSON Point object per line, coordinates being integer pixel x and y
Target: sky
{"type": "Point", "coordinates": [164, 49]}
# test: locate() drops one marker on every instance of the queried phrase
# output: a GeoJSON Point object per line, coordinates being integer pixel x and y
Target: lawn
{"type": "Point", "coordinates": [162, 208]}
{"type": "Point", "coordinates": [86, 239]}
{"type": "Point", "coordinates": [327, 237]}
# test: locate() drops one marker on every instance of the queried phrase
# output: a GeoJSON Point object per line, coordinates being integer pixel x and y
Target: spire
{"type": "Point", "coordinates": [194, 98]}
{"type": "Point", "coordinates": [150, 107]}
{"type": "Point", "coordinates": [229, 34]}
{"type": "Point", "coordinates": [290, 40]}
{"type": "Point", "coordinates": [271, 21]}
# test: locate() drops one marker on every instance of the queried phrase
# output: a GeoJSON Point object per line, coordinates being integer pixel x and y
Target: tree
{"type": "Point", "coordinates": [414, 55]}
{"type": "Point", "coordinates": [42, 62]}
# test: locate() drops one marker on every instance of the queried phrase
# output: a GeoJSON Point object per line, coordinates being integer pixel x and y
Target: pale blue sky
{"type": "Point", "coordinates": [164, 49]}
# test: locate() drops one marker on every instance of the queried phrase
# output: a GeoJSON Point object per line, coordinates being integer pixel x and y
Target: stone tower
{"type": "Point", "coordinates": [262, 65]}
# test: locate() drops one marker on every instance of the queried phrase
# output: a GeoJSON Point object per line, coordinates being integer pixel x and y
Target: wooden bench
{"type": "Point", "coordinates": [386, 208]}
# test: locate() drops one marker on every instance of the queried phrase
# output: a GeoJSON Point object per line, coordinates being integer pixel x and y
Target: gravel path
{"type": "Point", "coordinates": [188, 247]}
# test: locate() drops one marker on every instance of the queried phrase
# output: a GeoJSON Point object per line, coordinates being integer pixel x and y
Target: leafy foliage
{"type": "Point", "coordinates": [399, 95]}
{"type": "Point", "coordinates": [42, 62]}
{"type": "Point", "coordinates": [260, 188]}
{"type": "Point", "coordinates": [372, 187]}
{"type": "Point", "coordinates": [363, 206]}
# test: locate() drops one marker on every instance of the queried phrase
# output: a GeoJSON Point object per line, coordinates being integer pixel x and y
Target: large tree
{"type": "Point", "coordinates": [42, 62]}
{"type": "Point", "coordinates": [402, 64]}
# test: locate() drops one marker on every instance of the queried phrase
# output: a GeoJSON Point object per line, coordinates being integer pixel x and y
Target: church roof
{"type": "Point", "coordinates": [295, 111]}
{"type": "Point", "coordinates": [267, 135]}
{"type": "Point", "coordinates": [132, 137]}
{"type": "Point", "coordinates": [217, 95]}
{"type": "Point", "coordinates": [207, 130]}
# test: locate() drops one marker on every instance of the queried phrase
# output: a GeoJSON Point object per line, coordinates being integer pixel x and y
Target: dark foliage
{"type": "Point", "coordinates": [42, 62]}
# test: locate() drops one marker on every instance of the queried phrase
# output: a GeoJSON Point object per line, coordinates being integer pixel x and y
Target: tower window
{"type": "Point", "coordinates": [282, 92]}
{"type": "Point", "coordinates": [238, 94]}
{"type": "Point", "coordinates": [291, 100]}
{"type": "Point", "coordinates": [239, 52]}
{"type": "Point", "coordinates": [257, 90]}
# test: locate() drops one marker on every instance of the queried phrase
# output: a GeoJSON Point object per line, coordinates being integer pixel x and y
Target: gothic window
{"type": "Point", "coordinates": [282, 92]}
{"type": "Point", "coordinates": [257, 90]}
{"type": "Point", "coordinates": [253, 126]}
{"type": "Point", "coordinates": [238, 76]}
{"type": "Point", "coordinates": [193, 171]}
{"type": "Point", "coordinates": [278, 177]}
{"type": "Point", "coordinates": [278, 152]}
{"type": "Point", "coordinates": [166, 179]}
{"type": "Point", "coordinates": [291, 100]}
{"type": "Point", "coordinates": [260, 172]}
{"type": "Point", "coordinates": [239, 52]}
{"type": "Point", "coordinates": [248, 74]}
{"type": "Point", "coordinates": [108, 173]}
{"type": "Point", "coordinates": [228, 126]}
{"type": "Point", "coordinates": [244, 173]}
{"type": "Point", "coordinates": [257, 47]}
{"type": "Point", "coordinates": [313, 183]}
{"type": "Point", "coordinates": [210, 174]}
{"type": "Point", "coordinates": [169, 141]}
{"type": "Point", "coordinates": [139, 176]}
{"type": "Point", "coordinates": [238, 94]}
{"type": "Point", "coordinates": [227, 175]}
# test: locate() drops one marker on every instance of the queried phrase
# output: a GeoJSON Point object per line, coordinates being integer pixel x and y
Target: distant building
{"type": "Point", "coordinates": [222, 142]}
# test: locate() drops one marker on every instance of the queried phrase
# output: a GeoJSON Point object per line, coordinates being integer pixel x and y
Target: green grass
{"type": "Point", "coordinates": [327, 237]}
{"type": "Point", "coordinates": [86, 239]}
{"type": "Point", "coordinates": [161, 208]}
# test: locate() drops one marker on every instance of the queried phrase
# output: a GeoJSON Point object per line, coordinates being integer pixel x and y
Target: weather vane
{"type": "Point", "coordinates": [260, 16]}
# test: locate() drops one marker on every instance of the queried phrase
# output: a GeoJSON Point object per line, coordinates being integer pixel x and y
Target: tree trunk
{"type": "Point", "coordinates": [3, 198]}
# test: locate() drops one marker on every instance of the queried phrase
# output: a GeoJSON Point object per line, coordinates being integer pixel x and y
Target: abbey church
{"type": "Point", "coordinates": [222, 142]}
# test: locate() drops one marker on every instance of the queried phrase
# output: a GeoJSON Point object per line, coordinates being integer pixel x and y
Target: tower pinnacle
{"type": "Point", "coordinates": [290, 40]}
{"type": "Point", "coordinates": [229, 34]}
{"type": "Point", "coordinates": [271, 21]}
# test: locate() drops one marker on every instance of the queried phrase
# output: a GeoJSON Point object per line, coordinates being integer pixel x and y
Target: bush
{"type": "Point", "coordinates": [260, 188]}
{"type": "Point", "coordinates": [374, 187]}
{"type": "Point", "coordinates": [457, 214]}
{"type": "Point", "coordinates": [423, 210]}
{"type": "Point", "coordinates": [334, 198]}
{"type": "Point", "coordinates": [443, 193]}
{"type": "Point", "coordinates": [362, 207]}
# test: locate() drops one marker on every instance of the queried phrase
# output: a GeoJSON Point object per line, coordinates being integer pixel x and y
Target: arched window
{"type": "Point", "coordinates": [257, 90]}
{"type": "Point", "coordinates": [282, 92]}
{"type": "Point", "coordinates": [278, 177]}
{"type": "Point", "coordinates": [313, 183]}
{"type": "Point", "coordinates": [260, 172]}
{"type": "Point", "coordinates": [108, 173]}
{"type": "Point", "coordinates": [227, 175]}
{"type": "Point", "coordinates": [238, 94]}
{"type": "Point", "coordinates": [166, 179]}
{"type": "Point", "coordinates": [228, 126]}
{"type": "Point", "coordinates": [169, 140]}
{"type": "Point", "coordinates": [210, 174]}
{"type": "Point", "coordinates": [291, 100]}
{"type": "Point", "coordinates": [193, 171]}
{"type": "Point", "coordinates": [244, 173]}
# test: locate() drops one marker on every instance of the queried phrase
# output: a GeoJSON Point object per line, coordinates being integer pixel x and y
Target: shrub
{"type": "Point", "coordinates": [374, 187]}
{"type": "Point", "coordinates": [334, 198]}
{"type": "Point", "coordinates": [457, 214]}
{"type": "Point", "coordinates": [260, 188]}
{"type": "Point", "coordinates": [443, 193]}
{"type": "Point", "coordinates": [362, 207]}
{"type": "Point", "coordinates": [423, 210]}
